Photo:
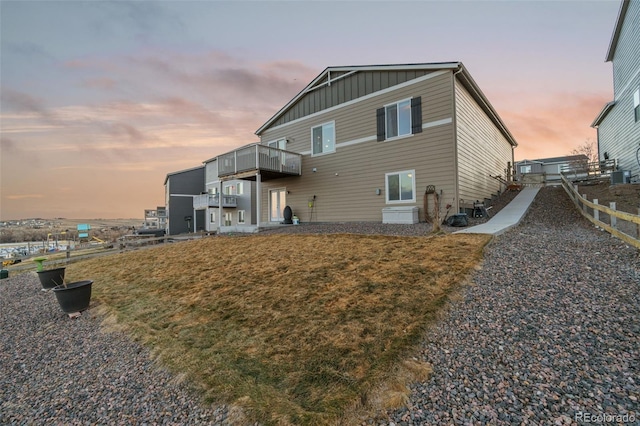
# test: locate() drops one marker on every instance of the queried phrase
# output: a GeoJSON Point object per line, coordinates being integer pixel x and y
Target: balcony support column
{"type": "Point", "coordinates": [220, 203]}
{"type": "Point", "coordinates": [258, 200]}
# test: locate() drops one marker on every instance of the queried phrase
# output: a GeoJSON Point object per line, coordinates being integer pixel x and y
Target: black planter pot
{"type": "Point", "coordinates": [74, 297]}
{"type": "Point", "coordinates": [51, 277]}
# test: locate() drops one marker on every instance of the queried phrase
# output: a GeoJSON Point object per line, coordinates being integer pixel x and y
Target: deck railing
{"type": "Point", "coordinates": [213, 200]}
{"type": "Point", "coordinates": [591, 210]}
{"type": "Point", "coordinates": [259, 157]}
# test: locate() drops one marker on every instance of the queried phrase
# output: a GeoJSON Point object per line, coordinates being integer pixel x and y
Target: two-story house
{"type": "Point", "coordinates": [180, 189]}
{"type": "Point", "coordinates": [618, 124]}
{"type": "Point", "coordinates": [360, 139]}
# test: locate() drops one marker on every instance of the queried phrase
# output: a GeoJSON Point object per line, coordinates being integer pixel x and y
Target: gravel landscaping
{"type": "Point", "coordinates": [548, 332]}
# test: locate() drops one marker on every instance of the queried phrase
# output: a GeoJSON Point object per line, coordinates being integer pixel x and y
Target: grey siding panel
{"type": "Point", "coordinates": [626, 60]}
{"type": "Point", "coordinates": [482, 150]}
{"type": "Point", "coordinates": [346, 181]}
{"type": "Point", "coordinates": [619, 133]}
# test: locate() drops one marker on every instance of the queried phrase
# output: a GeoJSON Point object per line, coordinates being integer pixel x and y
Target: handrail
{"type": "Point", "coordinates": [629, 217]}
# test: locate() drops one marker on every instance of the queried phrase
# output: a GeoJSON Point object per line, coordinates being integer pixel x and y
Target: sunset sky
{"type": "Point", "coordinates": [101, 99]}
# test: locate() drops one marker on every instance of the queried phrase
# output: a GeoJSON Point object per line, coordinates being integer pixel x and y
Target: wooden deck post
{"type": "Point", "coordinates": [596, 212]}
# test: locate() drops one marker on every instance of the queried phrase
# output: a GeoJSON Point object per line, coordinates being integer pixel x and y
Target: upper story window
{"type": "Point", "coordinates": [401, 187]}
{"type": "Point", "coordinates": [399, 119]}
{"type": "Point", "coordinates": [636, 105]}
{"type": "Point", "coordinates": [525, 169]}
{"type": "Point", "coordinates": [323, 138]}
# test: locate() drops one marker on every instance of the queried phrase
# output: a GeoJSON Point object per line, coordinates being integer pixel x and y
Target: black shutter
{"type": "Point", "coordinates": [416, 114]}
{"type": "Point", "coordinates": [380, 124]}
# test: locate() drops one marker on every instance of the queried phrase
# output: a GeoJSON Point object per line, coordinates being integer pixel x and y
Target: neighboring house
{"type": "Point", "coordinates": [549, 169]}
{"type": "Point", "coordinates": [180, 189]}
{"type": "Point", "coordinates": [360, 139]}
{"type": "Point", "coordinates": [618, 124]}
{"type": "Point", "coordinates": [155, 219]}
{"type": "Point", "coordinates": [238, 202]}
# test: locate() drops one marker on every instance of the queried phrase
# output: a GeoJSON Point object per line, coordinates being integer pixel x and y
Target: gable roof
{"type": "Point", "coordinates": [616, 32]}
{"type": "Point", "coordinates": [325, 78]}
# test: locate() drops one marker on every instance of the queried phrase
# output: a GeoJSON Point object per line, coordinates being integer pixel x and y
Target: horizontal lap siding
{"type": "Point", "coordinates": [361, 168]}
{"type": "Point", "coordinates": [619, 133]}
{"type": "Point", "coordinates": [626, 60]}
{"type": "Point", "coordinates": [482, 150]}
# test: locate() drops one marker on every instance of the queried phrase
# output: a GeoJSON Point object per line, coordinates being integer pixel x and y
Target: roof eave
{"type": "Point", "coordinates": [603, 114]}
{"type": "Point", "coordinates": [616, 32]}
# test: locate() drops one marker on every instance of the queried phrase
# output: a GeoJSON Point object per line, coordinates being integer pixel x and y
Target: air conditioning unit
{"type": "Point", "coordinates": [620, 176]}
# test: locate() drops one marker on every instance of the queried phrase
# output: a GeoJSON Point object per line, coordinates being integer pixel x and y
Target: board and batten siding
{"type": "Point", "coordinates": [482, 150]}
{"type": "Point", "coordinates": [346, 182]}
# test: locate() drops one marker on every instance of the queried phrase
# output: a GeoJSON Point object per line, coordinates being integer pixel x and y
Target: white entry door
{"type": "Point", "coordinates": [277, 203]}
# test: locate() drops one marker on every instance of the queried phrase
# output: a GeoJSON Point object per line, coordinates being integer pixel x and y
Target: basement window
{"type": "Point", "coordinates": [401, 187]}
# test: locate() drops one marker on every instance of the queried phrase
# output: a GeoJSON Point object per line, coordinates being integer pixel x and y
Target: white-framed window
{"type": "Point", "coordinates": [636, 105]}
{"type": "Point", "coordinates": [398, 119]}
{"type": "Point", "coordinates": [280, 143]}
{"type": "Point", "coordinates": [323, 138]}
{"type": "Point", "coordinates": [228, 218]}
{"type": "Point", "coordinates": [240, 216]}
{"type": "Point", "coordinates": [240, 188]}
{"type": "Point", "coordinates": [525, 169]}
{"type": "Point", "coordinates": [401, 187]}
{"type": "Point", "coordinates": [213, 217]}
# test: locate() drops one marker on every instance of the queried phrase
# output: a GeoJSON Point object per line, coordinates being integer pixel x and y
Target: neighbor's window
{"type": "Point", "coordinates": [399, 119]}
{"type": "Point", "coordinates": [213, 217]}
{"type": "Point", "coordinates": [401, 187]}
{"type": "Point", "coordinates": [636, 105]}
{"type": "Point", "coordinates": [228, 217]}
{"type": "Point", "coordinates": [240, 188]}
{"type": "Point", "coordinates": [323, 138]}
{"type": "Point", "coordinates": [525, 169]}
{"type": "Point", "coordinates": [240, 216]}
{"type": "Point", "coordinates": [280, 144]}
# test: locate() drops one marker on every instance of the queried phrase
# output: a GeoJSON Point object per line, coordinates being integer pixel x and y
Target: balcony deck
{"type": "Point", "coordinates": [272, 163]}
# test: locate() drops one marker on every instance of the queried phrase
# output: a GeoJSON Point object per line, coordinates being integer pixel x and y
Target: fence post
{"type": "Point", "coordinates": [584, 206]}
{"type": "Point", "coordinates": [613, 220]}
{"type": "Point", "coordinates": [596, 212]}
{"type": "Point", "coordinates": [638, 226]}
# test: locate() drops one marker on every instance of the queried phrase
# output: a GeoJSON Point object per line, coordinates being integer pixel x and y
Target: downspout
{"type": "Point", "coordinates": [455, 143]}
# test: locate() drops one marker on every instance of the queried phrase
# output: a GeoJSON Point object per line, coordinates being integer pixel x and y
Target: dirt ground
{"type": "Point", "coordinates": [626, 196]}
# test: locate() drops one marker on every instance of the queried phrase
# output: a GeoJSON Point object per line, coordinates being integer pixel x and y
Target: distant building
{"type": "Point", "coordinates": [549, 169]}
{"type": "Point", "coordinates": [180, 189]}
{"type": "Point", "coordinates": [155, 219]}
{"type": "Point", "coordinates": [618, 124]}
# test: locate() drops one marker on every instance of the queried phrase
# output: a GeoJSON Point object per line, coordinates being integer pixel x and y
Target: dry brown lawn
{"type": "Point", "coordinates": [293, 329]}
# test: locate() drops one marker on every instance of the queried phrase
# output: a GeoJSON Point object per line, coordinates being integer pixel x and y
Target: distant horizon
{"type": "Point", "coordinates": [100, 101]}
